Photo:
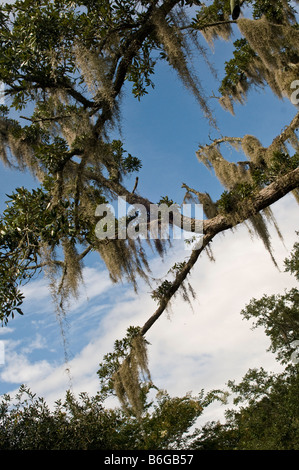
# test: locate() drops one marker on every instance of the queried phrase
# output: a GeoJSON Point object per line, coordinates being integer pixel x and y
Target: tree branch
{"type": "Point", "coordinates": [130, 50]}
{"type": "Point", "coordinates": [180, 277]}
{"type": "Point", "coordinates": [263, 199]}
{"type": "Point", "coordinates": [53, 118]}
{"type": "Point", "coordinates": [208, 25]}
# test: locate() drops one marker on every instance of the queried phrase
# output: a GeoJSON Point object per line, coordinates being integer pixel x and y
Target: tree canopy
{"type": "Point", "coordinates": [64, 66]}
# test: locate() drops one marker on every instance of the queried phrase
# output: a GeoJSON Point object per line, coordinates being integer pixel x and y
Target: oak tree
{"type": "Point", "coordinates": [64, 66]}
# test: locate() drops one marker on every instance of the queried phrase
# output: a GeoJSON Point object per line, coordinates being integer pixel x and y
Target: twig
{"type": "Point", "coordinates": [54, 118]}
{"type": "Point", "coordinates": [216, 23]}
{"type": "Point", "coordinates": [135, 185]}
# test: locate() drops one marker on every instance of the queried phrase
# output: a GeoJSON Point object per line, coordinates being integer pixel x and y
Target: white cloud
{"type": "Point", "coordinates": [37, 290]}
{"type": "Point", "coordinates": [96, 282]}
{"type": "Point", "coordinates": [39, 342]}
{"type": "Point", "coordinates": [5, 330]}
{"type": "Point", "coordinates": [19, 370]}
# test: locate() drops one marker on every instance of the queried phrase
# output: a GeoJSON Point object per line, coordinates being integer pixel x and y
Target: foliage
{"type": "Point", "coordinates": [30, 222]}
{"type": "Point", "coordinates": [27, 423]}
{"type": "Point", "coordinates": [279, 315]}
{"type": "Point", "coordinates": [235, 69]}
{"type": "Point", "coordinates": [268, 419]}
{"type": "Point", "coordinates": [292, 263]}
{"type": "Point", "coordinates": [272, 401]}
{"type": "Point", "coordinates": [162, 291]}
{"type": "Point", "coordinates": [266, 416]}
{"type": "Point", "coordinates": [261, 176]}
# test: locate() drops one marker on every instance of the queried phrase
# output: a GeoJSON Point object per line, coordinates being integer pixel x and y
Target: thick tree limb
{"type": "Point", "coordinates": [219, 224]}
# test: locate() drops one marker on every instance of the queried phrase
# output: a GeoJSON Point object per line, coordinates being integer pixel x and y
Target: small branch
{"type": "Point", "coordinates": [190, 190]}
{"type": "Point", "coordinates": [132, 198]}
{"type": "Point", "coordinates": [179, 279]}
{"type": "Point", "coordinates": [85, 252]}
{"type": "Point", "coordinates": [129, 51]}
{"type": "Point", "coordinates": [54, 118]}
{"type": "Point", "coordinates": [42, 265]}
{"type": "Point", "coordinates": [221, 141]}
{"type": "Point", "coordinates": [209, 25]}
{"type": "Point", "coordinates": [286, 133]}
{"type": "Point", "coordinates": [135, 185]}
{"type": "Point", "coordinates": [44, 83]}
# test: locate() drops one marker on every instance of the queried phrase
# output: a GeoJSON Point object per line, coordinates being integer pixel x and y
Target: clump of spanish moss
{"type": "Point", "coordinates": [209, 206]}
{"type": "Point", "coordinates": [65, 277]}
{"type": "Point", "coordinates": [228, 173]}
{"type": "Point", "coordinates": [295, 193]}
{"type": "Point", "coordinates": [209, 252]}
{"type": "Point", "coordinates": [267, 54]}
{"type": "Point", "coordinates": [253, 149]}
{"type": "Point", "coordinates": [174, 43]}
{"type": "Point", "coordinates": [16, 149]}
{"type": "Point", "coordinates": [127, 379]}
{"type": "Point", "coordinates": [260, 228]}
{"type": "Point", "coordinates": [59, 289]}
{"type": "Point", "coordinates": [164, 290]}
{"type": "Point", "coordinates": [187, 293]}
{"type": "Point", "coordinates": [242, 179]}
{"type": "Point", "coordinates": [221, 30]}
{"type": "Point", "coordinates": [72, 271]}
{"type": "Point", "coordinates": [276, 46]}
{"type": "Point", "coordinates": [93, 68]}
{"type": "Point", "coordinates": [124, 259]}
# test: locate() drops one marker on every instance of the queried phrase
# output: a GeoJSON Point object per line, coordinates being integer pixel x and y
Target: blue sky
{"type": "Point", "coordinates": [190, 349]}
